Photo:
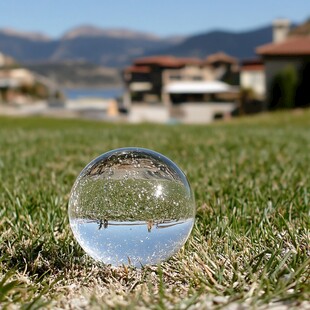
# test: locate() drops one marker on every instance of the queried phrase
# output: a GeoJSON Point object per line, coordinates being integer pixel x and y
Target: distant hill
{"type": "Point", "coordinates": [93, 31]}
{"type": "Point", "coordinates": [108, 47]}
{"type": "Point", "coordinates": [301, 30]}
{"type": "Point", "coordinates": [24, 49]}
{"type": "Point", "coordinates": [238, 44]}
{"type": "Point", "coordinates": [78, 74]}
{"type": "Point", "coordinates": [118, 47]}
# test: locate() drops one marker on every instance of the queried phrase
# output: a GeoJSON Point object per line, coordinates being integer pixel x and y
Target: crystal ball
{"type": "Point", "coordinates": [131, 206]}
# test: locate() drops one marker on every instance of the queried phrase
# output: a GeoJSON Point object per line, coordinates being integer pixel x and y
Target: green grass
{"type": "Point", "coordinates": [249, 246]}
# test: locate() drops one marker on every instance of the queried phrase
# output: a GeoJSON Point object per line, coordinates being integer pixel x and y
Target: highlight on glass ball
{"type": "Point", "coordinates": [131, 206]}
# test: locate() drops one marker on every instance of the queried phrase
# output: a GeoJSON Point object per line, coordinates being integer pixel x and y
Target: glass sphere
{"type": "Point", "coordinates": [131, 206]}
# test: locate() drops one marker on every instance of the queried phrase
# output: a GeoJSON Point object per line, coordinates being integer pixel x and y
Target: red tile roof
{"type": "Point", "coordinates": [190, 61]}
{"type": "Point", "coordinates": [293, 46]}
{"type": "Point", "coordinates": [166, 61]}
{"type": "Point", "coordinates": [252, 65]}
{"type": "Point", "coordinates": [138, 69]}
{"type": "Point", "coordinates": [253, 68]}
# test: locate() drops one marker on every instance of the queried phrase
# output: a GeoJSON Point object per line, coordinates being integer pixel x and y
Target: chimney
{"type": "Point", "coordinates": [281, 28]}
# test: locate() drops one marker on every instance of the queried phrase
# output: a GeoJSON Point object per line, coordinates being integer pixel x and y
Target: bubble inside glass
{"type": "Point", "coordinates": [131, 206]}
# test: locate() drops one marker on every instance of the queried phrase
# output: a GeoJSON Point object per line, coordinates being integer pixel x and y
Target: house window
{"type": "Point", "coordinates": [175, 77]}
{"type": "Point", "coordinates": [197, 78]}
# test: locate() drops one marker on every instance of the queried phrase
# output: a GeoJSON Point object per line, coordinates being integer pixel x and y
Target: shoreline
{"type": "Point", "coordinates": [89, 87]}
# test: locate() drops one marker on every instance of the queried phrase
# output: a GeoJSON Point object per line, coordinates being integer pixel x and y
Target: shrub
{"type": "Point", "coordinates": [283, 89]}
{"type": "Point", "coordinates": [303, 90]}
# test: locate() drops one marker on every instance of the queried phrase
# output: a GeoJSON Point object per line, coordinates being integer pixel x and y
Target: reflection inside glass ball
{"type": "Point", "coordinates": [131, 206]}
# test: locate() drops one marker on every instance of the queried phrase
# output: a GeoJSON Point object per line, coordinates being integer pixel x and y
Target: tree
{"type": "Point", "coordinates": [303, 89]}
{"type": "Point", "coordinates": [283, 89]}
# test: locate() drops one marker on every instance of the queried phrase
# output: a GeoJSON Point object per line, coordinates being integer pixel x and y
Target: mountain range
{"type": "Point", "coordinates": [118, 47]}
{"type": "Point", "coordinates": [241, 45]}
{"type": "Point", "coordinates": [108, 47]}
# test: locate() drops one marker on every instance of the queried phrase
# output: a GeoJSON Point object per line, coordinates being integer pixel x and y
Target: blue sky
{"type": "Point", "coordinates": [162, 17]}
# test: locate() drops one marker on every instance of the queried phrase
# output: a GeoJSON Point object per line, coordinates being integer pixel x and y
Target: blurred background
{"type": "Point", "coordinates": [177, 61]}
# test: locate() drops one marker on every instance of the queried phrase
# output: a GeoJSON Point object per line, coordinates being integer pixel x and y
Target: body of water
{"type": "Point", "coordinates": [106, 93]}
{"type": "Point", "coordinates": [133, 243]}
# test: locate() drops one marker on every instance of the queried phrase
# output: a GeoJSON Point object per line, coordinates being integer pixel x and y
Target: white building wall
{"type": "Point", "coordinates": [203, 113]}
{"type": "Point", "coordinates": [254, 79]}
{"type": "Point", "coordinates": [148, 113]}
{"type": "Point", "coordinates": [187, 113]}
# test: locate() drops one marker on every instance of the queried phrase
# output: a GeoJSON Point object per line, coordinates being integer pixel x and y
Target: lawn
{"type": "Point", "coordinates": [249, 246]}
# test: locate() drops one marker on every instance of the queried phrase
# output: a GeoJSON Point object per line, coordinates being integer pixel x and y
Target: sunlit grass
{"type": "Point", "coordinates": [250, 244]}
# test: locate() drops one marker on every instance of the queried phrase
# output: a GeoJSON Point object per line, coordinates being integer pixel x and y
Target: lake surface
{"type": "Point", "coordinates": [105, 93]}
{"type": "Point", "coordinates": [134, 243]}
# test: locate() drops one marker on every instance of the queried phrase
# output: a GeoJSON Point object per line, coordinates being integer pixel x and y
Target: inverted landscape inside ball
{"type": "Point", "coordinates": [131, 206]}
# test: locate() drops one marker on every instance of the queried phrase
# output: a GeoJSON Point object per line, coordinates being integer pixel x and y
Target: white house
{"type": "Point", "coordinates": [252, 76]}
{"type": "Point", "coordinates": [167, 88]}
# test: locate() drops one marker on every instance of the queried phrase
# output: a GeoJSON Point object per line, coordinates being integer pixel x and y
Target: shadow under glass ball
{"type": "Point", "coordinates": [131, 206]}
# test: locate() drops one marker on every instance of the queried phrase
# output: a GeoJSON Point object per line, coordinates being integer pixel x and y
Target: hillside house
{"type": "Point", "coordinates": [21, 86]}
{"type": "Point", "coordinates": [287, 49]}
{"type": "Point", "coordinates": [294, 51]}
{"type": "Point", "coordinates": [163, 88]}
